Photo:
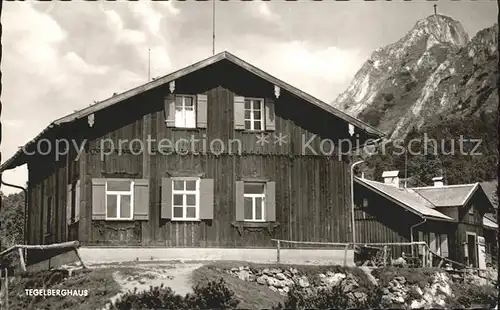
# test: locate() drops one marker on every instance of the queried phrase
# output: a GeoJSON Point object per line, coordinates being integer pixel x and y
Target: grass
{"type": "Point", "coordinates": [417, 276]}
{"type": "Point", "coordinates": [100, 285]}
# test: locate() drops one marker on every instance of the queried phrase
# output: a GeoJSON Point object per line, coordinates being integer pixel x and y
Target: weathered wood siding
{"type": "Point", "coordinates": [384, 221]}
{"type": "Point", "coordinates": [312, 192]}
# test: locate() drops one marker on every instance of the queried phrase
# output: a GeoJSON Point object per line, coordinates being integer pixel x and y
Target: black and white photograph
{"type": "Point", "coordinates": [227, 154]}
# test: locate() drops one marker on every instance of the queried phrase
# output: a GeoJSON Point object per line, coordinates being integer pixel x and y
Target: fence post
{"type": "Point", "coordinates": [424, 256]}
{"type": "Point", "coordinates": [345, 253]}
{"type": "Point", "coordinates": [21, 259]}
{"type": "Point", "coordinates": [6, 289]}
{"type": "Point", "coordinates": [278, 246]}
{"type": "Point", "coordinates": [385, 255]}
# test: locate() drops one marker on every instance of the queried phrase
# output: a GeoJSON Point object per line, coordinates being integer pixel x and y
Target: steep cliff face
{"type": "Point", "coordinates": [434, 70]}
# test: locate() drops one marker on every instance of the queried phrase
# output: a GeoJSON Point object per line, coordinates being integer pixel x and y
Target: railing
{"type": "Point", "coordinates": [346, 246]}
{"type": "Point", "coordinates": [22, 257]}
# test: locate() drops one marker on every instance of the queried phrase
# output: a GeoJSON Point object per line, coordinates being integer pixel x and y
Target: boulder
{"type": "Point", "coordinates": [280, 276]}
{"type": "Point", "coordinates": [303, 282]}
{"type": "Point", "coordinates": [272, 288]}
{"type": "Point", "coordinates": [262, 279]}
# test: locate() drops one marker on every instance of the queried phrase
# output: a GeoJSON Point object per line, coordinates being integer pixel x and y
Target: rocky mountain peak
{"type": "Point", "coordinates": [423, 48]}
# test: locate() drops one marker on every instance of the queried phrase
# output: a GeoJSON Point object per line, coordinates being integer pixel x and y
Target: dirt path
{"type": "Point", "coordinates": [142, 276]}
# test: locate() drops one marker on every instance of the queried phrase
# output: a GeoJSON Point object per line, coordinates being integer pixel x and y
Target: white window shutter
{"type": "Point", "coordinates": [239, 112]}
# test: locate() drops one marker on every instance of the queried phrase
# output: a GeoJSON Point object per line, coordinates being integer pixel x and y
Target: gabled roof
{"type": "Point", "coordinates": [449, 195]}
{"type": "Point", "coordinates": [406, 198]}
{"type": "Point", "coordinates": [369, 130]}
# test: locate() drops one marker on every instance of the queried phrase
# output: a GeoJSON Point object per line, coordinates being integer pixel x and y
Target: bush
{"type": "Point", "coordinates": [213, 295]}
{"type": "Point", "coordinates": [469, 295]}
{"type": "Point", "coordinates": [333, 298]}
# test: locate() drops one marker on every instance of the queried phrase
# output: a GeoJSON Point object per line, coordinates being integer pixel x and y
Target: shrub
{"type": "Point", "coordinates": [332, 298]}
{"type": "Point", "coordinates": [213, 295]}
{"type": "Point", "coordinates": [468, 295]}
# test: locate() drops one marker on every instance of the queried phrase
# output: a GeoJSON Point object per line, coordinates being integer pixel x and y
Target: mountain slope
{"type": "Point", "coordinates": [433, 70]}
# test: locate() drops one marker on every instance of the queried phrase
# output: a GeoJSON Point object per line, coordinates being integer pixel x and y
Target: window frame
{"type": "Point", "coordinates": [118, 200]}
{"type": "Point", "coordinates": [196, 192]}
{"type": "Point", "coordinates": [253, 196]}
{"type": "Point", "coordinates": [252, 120]}
{"type": "Point", "coordinates": [193, 99]}
{"type": "Point", "coordinates": [471, 210]}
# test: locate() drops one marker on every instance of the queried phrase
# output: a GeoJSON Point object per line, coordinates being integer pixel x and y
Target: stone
{"type": "Point", "coordinates": [286, 289]}
{"type": "Point", "coordinates": [294, 271]}
{"type": "Point", "coordinates": [272, 288]}
{"type": "Point", "coordinates": [266, 272]}
{"type": "Point", "coordinates": [386, 291]}
{"type": "Point", "coordinates": [303, 282]}
{"type": "Point", "coordinates": [244, 275]}
{"type": "Point", "coordinates": [401, 280]}
{"type": "Point", "coordinates": [399, 299]}
{"type": "Point", "coordinates": [418, 304]}
{"type": "Point", "coordinates": [287, 273]}
{"type": "Point", "coordinates": [275, 271]}
{"type": "Point", "coordinates": [262, 279]}
{"type": "Point", "coordinates": [142, 281]}
{"type": "Point", "coordinates": [272, 281]}
{"type": "Point", "coordinates": [334, 279]}
{"type": "Point", "coordinates": [280, 276]}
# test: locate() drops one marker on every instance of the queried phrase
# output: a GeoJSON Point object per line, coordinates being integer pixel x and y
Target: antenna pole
{"type": "Point", "coordinates": [149, 64]}
{"type": "Point", "coordinates": [435, 9]}
{"type": "Point", "coordinates": [213, 27]}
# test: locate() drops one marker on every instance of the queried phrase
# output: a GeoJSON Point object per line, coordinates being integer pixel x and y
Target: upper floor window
{"type": "Point", "coordinates": [119, 199]}
{"type": "Point", "coordinates": [185, 111]}
{"type": "Point", "coordinates": [185, 198]}
{"type": "Point", "coordinates": [254, 196]}
{"type": "Point", "coordinates": [471, 210]}
{"type": "Point", "coordinates": [254, 114]}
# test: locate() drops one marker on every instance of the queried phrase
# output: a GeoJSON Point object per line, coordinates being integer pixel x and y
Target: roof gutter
{"type": "Point", "coordinates": [25, 206]}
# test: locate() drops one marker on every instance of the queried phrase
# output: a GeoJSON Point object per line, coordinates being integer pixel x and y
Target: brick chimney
{"type": "Point", "coordinates": [391, 177]}
{"type": "Point", "coordinates": [438, 181]}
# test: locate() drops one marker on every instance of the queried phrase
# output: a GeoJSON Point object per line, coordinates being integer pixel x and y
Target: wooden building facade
{"type": "Point", "coordinates": [218, 154]}
{"type": "Point", "coordinates": [448, 218]}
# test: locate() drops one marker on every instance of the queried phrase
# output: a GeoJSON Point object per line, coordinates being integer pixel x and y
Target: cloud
{"type": "Point", "coordinates": [262, 10]}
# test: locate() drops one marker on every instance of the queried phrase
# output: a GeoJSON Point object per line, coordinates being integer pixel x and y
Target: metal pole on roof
{"type": "Point", "coordinates": [213, 27]}
{"type": "Point", "coordinates": [149, 64]}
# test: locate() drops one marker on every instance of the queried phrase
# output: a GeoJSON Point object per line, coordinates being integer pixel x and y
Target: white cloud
{"type": "Point", "coordinates": [79, 66]}
{"type": "Point", "coordinates": [262, 10]}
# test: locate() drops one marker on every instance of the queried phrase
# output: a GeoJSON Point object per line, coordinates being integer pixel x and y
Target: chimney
{"type": "Point", "coordinates": [391, 177]}
{"type": "Point", "coordinates": [438, 181]}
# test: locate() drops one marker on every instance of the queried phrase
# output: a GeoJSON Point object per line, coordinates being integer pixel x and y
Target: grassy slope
{"type": "Point", "coordinates": [255, 296]}
{"type": "Point", "coordinates": [99, 283]}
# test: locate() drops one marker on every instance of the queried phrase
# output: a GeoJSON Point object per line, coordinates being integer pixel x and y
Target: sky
{"type": "Point", "coordinates": [59, 57]}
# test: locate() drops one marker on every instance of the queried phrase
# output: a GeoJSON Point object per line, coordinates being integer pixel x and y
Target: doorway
{"type": "Point", "coordinates": [472, 249]}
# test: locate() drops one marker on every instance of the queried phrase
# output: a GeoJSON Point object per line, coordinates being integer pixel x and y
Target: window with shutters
{"type": "Point", "coordinates": [185, 199]}
{"type": "Point", "coordinates": [254, 114]}
{"type": "Point", "coordinates": [119, 199]}
{"type": "Point", "coordinates": [185, 111]}
{"type": "Point", "coordinates": [254, 202]}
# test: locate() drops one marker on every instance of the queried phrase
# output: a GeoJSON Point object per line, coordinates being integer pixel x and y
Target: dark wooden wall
{"type": "Point", "coordinates": [386, 222]}
{"type": "Point", "coordinates": [312, 192]}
